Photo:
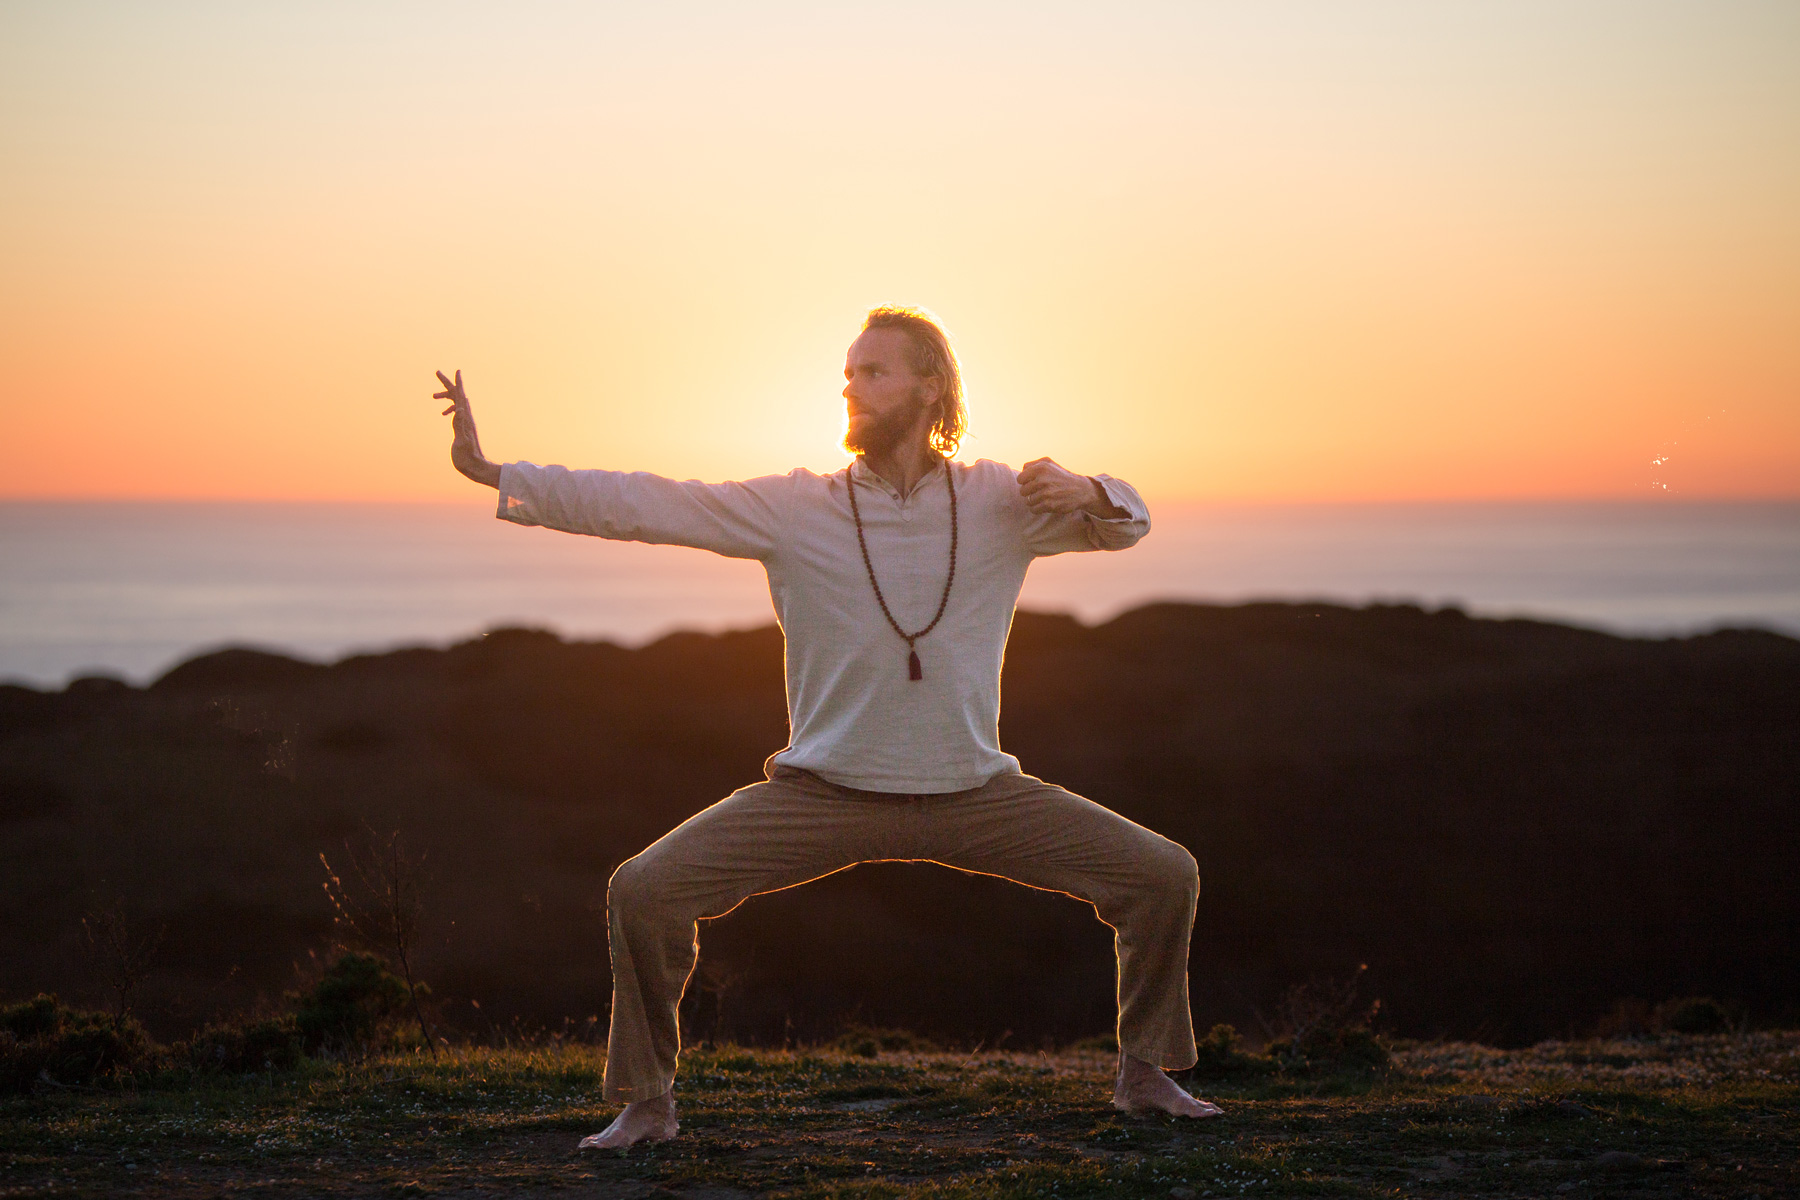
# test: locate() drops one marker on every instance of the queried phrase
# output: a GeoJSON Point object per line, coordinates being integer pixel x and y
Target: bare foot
{"type": "Point", "coordinates": [641, 1121]}
{"type": "Point", "coordinates": [1142, 1088]}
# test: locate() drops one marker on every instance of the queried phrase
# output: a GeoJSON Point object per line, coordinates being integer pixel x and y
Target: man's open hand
{"type": "Point", "coordinates": [1048, 488]}
{"type": "Point", "coordinates": [465, 445]}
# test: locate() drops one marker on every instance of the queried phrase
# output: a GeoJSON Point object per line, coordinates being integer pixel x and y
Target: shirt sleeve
{"type": "Point", "coordinates": [1060, 533]}
{"type": "Point", "coordinates": [738, 520]}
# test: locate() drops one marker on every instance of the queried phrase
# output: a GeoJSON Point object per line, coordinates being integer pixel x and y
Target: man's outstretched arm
{"type": "Point", "coordinates": [737, 520]}
{"type": "Point", "coordinates": [465, 445]}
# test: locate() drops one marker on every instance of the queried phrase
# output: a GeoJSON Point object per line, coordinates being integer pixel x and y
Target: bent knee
{"type": "Point", "coordinates": [632, 887]}
{"type": "Point", "coordinates": [1176, 870]}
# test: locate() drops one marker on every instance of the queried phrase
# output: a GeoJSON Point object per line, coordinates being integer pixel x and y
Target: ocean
{"type": "Point", "coordinates": [130, 589]}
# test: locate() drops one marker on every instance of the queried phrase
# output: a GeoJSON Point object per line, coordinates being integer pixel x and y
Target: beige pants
{"type": "Point", "coordinates": [798, 827]}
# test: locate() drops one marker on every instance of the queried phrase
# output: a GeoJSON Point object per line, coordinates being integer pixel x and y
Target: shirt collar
{"type": "Point", "coordinates": [861, 472]}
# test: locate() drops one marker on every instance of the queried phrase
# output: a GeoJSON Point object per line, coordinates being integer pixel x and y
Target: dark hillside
{"type": "Point", "coordinates": [1514, 824]}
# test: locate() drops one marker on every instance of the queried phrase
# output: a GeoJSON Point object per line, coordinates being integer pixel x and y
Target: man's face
{"type": "Point", "coordinates": [885, 398]}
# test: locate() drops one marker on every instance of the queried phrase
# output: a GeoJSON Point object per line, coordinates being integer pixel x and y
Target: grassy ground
{"type": "Point", "coordinates": [1695, 1116]}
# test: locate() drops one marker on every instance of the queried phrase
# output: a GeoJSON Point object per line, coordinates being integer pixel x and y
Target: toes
{"type": "Point", "coordinates": [1168, 1107]}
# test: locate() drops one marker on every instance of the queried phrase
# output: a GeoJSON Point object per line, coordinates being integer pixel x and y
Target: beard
{"type": "Point", "coordinates": [883, 433]}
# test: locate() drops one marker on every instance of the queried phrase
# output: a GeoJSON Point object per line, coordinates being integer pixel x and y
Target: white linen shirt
{"type": "Point", "coordinates": [854, 716]}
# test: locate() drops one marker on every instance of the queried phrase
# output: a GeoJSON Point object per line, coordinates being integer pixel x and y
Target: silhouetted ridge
{"type": "Point", "coordinates": [1514, 823]}
{"type": "Point", "coordinates": [236, 667]}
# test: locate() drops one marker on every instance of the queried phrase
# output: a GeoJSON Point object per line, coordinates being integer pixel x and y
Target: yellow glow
{"type": "Point", "coordinates": [1384, 251]}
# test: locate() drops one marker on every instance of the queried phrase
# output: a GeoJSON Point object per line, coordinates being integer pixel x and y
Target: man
{"type": "Point", "coordinates": [894, 581]}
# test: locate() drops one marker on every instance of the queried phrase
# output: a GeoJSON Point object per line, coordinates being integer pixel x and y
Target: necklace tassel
{"type": "Point", "coordinates": [913, 670]}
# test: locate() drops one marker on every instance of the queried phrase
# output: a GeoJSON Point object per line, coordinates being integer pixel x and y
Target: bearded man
{"type": "Point", "coordinates": [894, 581]}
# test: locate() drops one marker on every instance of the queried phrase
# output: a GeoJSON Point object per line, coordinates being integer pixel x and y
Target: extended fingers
{"type": "Point", "coordinates": [453, 388]}
{"type": "Point", "coordinates": [453, 392]}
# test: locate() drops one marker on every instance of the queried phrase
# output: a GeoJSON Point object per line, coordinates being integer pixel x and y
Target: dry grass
{"type": "Point", "coordinates": [1687, 1116]}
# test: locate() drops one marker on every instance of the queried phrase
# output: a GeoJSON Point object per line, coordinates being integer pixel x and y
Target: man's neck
{"type": "Point", "coordinates": [905, 465]}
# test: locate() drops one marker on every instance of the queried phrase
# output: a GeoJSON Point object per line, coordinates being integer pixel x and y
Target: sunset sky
{"type": "Point", "coordinates": [1247, 251]}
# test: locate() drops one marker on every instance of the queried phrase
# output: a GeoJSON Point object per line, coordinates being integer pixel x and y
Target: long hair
{"type": "Point", "coordinates": [932, 358]}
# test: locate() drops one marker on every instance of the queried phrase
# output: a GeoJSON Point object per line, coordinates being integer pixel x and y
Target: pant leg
{"type": "Point", "coordinates": [762, 838]}
{"type": "Point", "coordinates": [1139, 882]}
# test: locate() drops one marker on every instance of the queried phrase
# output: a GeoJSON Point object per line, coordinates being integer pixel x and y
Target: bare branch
{"type": "Point", "coordinates": [122, 951]}
{"type": "Point", "coordinates": [384, 908]}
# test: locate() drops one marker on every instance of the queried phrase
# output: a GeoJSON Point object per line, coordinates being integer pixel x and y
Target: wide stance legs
{"type": "Point", "coordinates": [797, 827]}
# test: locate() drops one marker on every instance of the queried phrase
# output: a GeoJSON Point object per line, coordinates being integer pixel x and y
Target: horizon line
{"type": "Point", "coordinates": [1632, 498]}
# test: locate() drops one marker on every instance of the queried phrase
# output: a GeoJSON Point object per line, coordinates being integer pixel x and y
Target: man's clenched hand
{"type": "Point", "coordinates": [1048, 488]}
{"type": "Point", "coordinates": [465, 446]}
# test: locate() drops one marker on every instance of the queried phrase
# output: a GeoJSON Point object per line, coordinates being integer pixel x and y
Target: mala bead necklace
{"type": "Point", "coordinates": [913, 670]}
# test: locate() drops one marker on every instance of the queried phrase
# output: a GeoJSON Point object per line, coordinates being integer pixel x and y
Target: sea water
{"type": "Point", "coordinates": [131, 589]}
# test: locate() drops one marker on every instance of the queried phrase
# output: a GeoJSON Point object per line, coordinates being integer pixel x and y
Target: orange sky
{"type": "Point", "coordinates": [1228, 251]}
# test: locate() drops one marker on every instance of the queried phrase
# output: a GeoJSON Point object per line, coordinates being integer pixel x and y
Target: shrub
{"type": "Point", "coordinates": [43, 1039]}
{"type": "Point", "coordinates": [1323, 1026]}
{"type": "Point", "coordinates": [348, 1007]}
{"type": "Point", "coordinates": [1691, 1014]}
{"type": "Point", "coordinates": [271, 1044]}
{"type": "Point", "coordinates": [1628, 1018]}
{"type": "Point", "coordinates": [1633, 1018]}
{"type": "Point", "coordinates": [867, 1042]}
{"type": "Point", "coordinates": [1222, 1056]}
{"type": "Point", "coordinates": [1332, 1049]}
{"type": "Point", "coordinates": [32, 1018]}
